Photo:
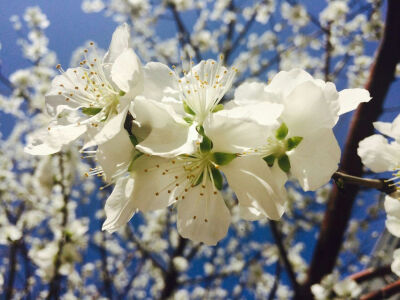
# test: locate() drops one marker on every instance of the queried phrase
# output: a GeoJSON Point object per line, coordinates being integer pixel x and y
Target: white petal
{"type": "Point", "coordinates": [159, 81]}
{"type": "Point", "coordinates": [154, 186]}
{"type": "Point", "coordinates": [234, 135]}
{"type": "Point", "coordinates": [396, 262]}
{"type": "Point", "coordinates": [392, 208]}
{"type": "Point", "coordinates": [115, 154]}
{"type": "Point", "coordinates": [127, 73]}
{"type": "Point", "coordinates": [255, 186]}
{"type": "Point", "coordinates": [119, 206]}
{"type": "Point", "coordinates": [169, 135]}
{"type": "Point", "coordinates": [284, 82]}
{"type": "Point", "coordinates": [307, 110]}
{"type": "Point", "coordinates": [119, 42]}
{"type": "Point", "coordinates": [70, 79]}
{"type": "Point", "coordinates": [315, 159]}
{"type": "Point", "coordinates": [203, 218]}
{"type": "Point", "coordinates": [389, 129]}
{"type": "Point", "coordinates": [111, 127]}
{"type": "Point", "coordinates": [384, 128]}
{"type": "Point", "coordinates": [250, 213]}
{"type": "Point", "coordinates": [45, 141]}
{"type": "Point", "coordinates": [377, 154]}
{"type": "Point", "coordinates": [264, 113]}
{"type": "Point", "coordinates": [252, 93]}
{"type": "Point", "coordinates": [349, 99]}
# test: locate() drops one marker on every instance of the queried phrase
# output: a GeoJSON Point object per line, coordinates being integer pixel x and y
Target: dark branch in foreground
{"type": "Point", "coordinates": [341, 201]}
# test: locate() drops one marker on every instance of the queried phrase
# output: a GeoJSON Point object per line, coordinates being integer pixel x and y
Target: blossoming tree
{"type": "Point", "coordinates": [203, 163]}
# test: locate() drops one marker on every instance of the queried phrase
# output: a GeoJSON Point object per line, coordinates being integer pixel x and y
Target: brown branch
{"type": "Point", "coordinates": [383, 185]}
{"type": "Point", "coordinates": [283, 255]}
{"type": "Point", "coordinates": [12, 271]}
{"type": "Point", "coordinates": [171, 277]}
{"type": "Point", "coordinates": [371, 273]}
{"type": "Point", "coordinates": [341, 201]}
{"type": "Point", "coordinates": [54, 285]}
{"type": "Point", "coordinates": [184, 35]}
{"type": "Point", "coordinates": [328, 53]}
{"type": "Point", "coordinates": [383, 293]}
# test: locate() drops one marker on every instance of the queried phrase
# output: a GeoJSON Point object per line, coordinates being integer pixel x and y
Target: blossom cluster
{"type": "Point", "coordinates": [165, 138]}
{"type": "Point", "coordinates": [380, 155]}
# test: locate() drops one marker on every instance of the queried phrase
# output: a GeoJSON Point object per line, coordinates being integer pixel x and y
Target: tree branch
{"type": "Point", "coordinates": [371, 273]}
{"type": "Point", "coordinates": [341, 201]}
{"type": "Point", "coordinates": [283, 255]}
{"type": "Point", "coordinates": [383, 185]}
{"type": "Point", "coordinates": [384, 293]}
{"type": "Point", "coordinates": [54, 285]}
{"type": "Point", "coordinates": [184, 35]}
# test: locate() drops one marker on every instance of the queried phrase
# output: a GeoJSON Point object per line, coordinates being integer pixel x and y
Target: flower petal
{"type": "Point", "coordinates": [284, 82]}
{"type": "Point", "coordinates": [99, 135]}
{"type": "Point", "coordinates": [47, 141]}
{"type": "Point", "coordinates": [234, 135]}
{"type": "Point", "coordinates": [392, 208]}
{"type": "Point", "coordinates": [255, 185]}
{"type": "Point", "coordinates": [390, 129]}
{"type": "Point", "coordinates": [396, 262]}
{"type": "Point", "coordinates": [119, 42]}
{"type": "Point", "coordinates": [264, 113]}
{"type": "Point", "coordinates": [252, 93]}
{"type": "Point", "coordinates": [115, 154]}
{"type": "Point", "coordinates": [377, 154]}
{"type": "Point", "coordinates": [169, 135]}
{"type": "Point", "coordinates": [119, 206]}
{"type": "Point", "coordinates": [68, 81]}
{"type": "Point", "coordinates": [307, 110]}
{"type": "Point", "coordinates": [349, 99]}
{"type": "Point", "coordinates": [154, 184]}
{"type": "Point", "coordinates": [159, 81]}
{"type": "Point", "coordinates": [127, 73]}
{"type": "Point", "coordinates": [203, 215]}
{"type": "Point", "coordinates": [315, 159]}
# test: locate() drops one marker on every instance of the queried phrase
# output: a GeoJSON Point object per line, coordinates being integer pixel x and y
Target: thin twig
{"type": "Point", "coordinates": [54, 285]}
{"type": "Point", "coordinates": [371, 273]}
{"type": "Point", "coordinates": [283, 255]}
{"type": "Point", "coordinates": [383, 185]}
{"type": "Point", "coordinates": [383, 293]}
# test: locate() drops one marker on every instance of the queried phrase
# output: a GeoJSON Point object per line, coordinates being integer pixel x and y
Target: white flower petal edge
{"type": "Point", "coordinates": [349, 99]}
{"type": "Point", "coordinates": [127, 74]}
{"type": "Point", "coordinates": [99, 135]}
{"type": "Point", "coordinates": [203, 218]}
{"type": "Point", "coordinates": [169, 135]}
{"type": "Point", "coordinates": [315, 159]}
{"type": "Point", "coordinates": [378, 155]}
{"type": "Point", "coordinates": [391, 129]}
{"type": "Point", "coordinates": [256, 187]}
{"type": "Point", "coordinates": [392, 208]}
{"type": "Point", "coordinates": [114, 155]}
{"type": "Point", "coordinates": [119, 207]}
{"type": "Point", "coordinates": [119, 42]}
{"type": "Point", "coordinates": [51, 140]}
{"type": "Point", "coordinates": [396, 262]}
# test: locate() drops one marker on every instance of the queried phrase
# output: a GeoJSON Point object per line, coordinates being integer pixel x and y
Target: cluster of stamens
{"type": "Point", "coordinates": [89, 88]}
{"type": "Point", "coordinates": [185, 172]}
{"type": "Point", "coordinates": [202, 90]}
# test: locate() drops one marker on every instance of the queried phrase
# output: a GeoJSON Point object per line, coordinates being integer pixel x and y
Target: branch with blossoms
{"type": "Point", "coordinates": [164, 137]}
{"type": "Point", "coordinates": [336, 218]}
